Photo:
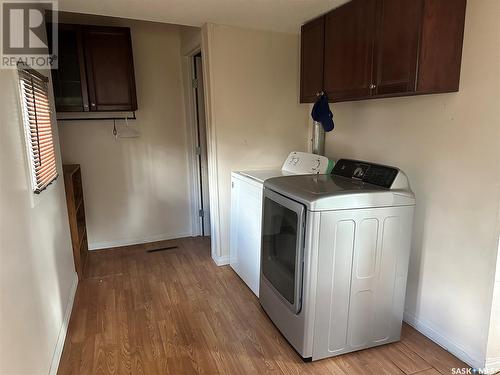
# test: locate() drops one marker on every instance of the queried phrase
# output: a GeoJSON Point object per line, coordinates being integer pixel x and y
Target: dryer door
{"type": "Point", "coordinates": [282, 247]}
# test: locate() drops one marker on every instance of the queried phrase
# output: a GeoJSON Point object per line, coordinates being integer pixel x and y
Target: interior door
{"type": "Point", "coordinates": [202, 145]}
{"type": "Point", "coordinates": [110, 68]}
{"type": "Point", "coordinates": [349, 40]}
{"type": "Point", "coordinates": [282, 247]}
{"type": "Point", "coordinates": [399, 23]}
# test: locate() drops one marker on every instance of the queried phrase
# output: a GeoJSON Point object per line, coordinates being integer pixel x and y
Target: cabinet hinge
{"type": "Point", "coordinates": [194, 83]}
{"type": "Point", "coordinates": [197, 150]}
{"type": "Point", "coordinates": [201, 213]}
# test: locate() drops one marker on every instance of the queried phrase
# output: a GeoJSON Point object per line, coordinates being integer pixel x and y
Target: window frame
{"type": "Point", "coordinates": [36, 187]}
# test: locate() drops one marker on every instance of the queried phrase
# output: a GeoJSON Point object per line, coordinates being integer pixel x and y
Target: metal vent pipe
{"type": "Point", "coordinates": [318, 139]}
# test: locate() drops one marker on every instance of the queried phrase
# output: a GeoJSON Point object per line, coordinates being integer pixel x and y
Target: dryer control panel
{"type": "Point", "coordinates": [304, 163]}
{"type": "Point", "coordinates": [375, 174]}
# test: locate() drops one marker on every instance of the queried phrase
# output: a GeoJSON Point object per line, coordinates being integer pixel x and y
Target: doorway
{"type": "Point", "coordinates": [201, 145]}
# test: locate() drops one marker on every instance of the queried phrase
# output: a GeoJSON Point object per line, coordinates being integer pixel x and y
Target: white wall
{"type": "Point", "coordinates": [190, 39]}
{"type": "Point", "coordinates": [450, 147]}
{"type": "Point", "coordinates": [137, 190]}
{"type": "Point", "coordinates": [254, 119]}
{"type": "Point", "coordinates": [191, 45]}
{"type": "Point", "coordinates": [37, 275]}
{"type": "Point", "coordinates": [493, 348]}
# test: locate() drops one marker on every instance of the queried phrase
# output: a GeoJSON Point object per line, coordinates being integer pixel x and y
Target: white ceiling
{"type": "Point", "coordinates": [276, 15]}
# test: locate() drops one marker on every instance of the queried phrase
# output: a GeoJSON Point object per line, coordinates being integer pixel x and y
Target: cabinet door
{"type": "Point", "coordinates": [441, 46]}
{"type": "Point", "coordinates": [398, 30]}
{"type": "Point", "coordinates": [69, 79]}
{"type": "Point", "coordinates": [312, 39]}
{"type": "Point", "coordinates": [349, 40]}
{"type": "Point", "coordinates": [110, 69]}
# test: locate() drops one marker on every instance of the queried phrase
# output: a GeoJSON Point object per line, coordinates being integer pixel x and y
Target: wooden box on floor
{"type": "Point", "coordinates": [76, 215]}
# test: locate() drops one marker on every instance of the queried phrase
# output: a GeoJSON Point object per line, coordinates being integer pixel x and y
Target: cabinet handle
{"type": "Point", "coordinates": [92, 104]}
{"type": "Point", "coordinates": [372, 86]}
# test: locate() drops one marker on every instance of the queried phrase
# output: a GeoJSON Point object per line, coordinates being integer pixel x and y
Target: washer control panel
{"type": "Point", "coordinates": [304, 163]}
{"type": "Point", "coordinates": [370, 173]}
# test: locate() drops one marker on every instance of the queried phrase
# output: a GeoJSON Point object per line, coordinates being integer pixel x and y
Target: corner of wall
{"type": "Point", "coordinates": [207, 35]}
{"type": "Point", "coordinates": [221, 260]}
{"type": "Point", "coordinates": [61, 338]}
{"type": "Point", "coordinates": [475, 360]}
{"type": "Point", "coordinates": [493, 341]}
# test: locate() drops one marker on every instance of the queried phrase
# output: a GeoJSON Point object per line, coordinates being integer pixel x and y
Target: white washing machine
{"type": "Point", "coordinates": [335, 252]}
{"type": "Point", "coordinates": [246, 211]}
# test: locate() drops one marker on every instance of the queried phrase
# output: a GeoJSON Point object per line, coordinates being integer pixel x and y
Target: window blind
{"type": "Point", "coordinates": [38, 128]}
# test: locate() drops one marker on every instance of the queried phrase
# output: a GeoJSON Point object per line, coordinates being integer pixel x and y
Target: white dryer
{"type": "Point", "coordinates": [246, 211]}
{"type": "Point", "coordinates": [335, 251]}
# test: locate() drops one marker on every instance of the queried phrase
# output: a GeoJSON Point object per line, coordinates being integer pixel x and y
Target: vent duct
{"type": "Point", "coordinates": [318, 139]}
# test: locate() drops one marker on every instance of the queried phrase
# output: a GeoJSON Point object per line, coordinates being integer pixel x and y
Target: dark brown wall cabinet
{"type": "Point", "coordinates": [382, 48]}
{"type": "Point", "coordinates": [96, 69]}
{"type": "Point", "coordinates": [312, 38]}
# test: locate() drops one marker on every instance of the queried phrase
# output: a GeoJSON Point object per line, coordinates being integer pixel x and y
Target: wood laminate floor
{"type": "Point", "coordinates": [176, 312]}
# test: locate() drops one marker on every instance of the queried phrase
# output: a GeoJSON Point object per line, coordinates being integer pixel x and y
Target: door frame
{"type": "Point", "coordinates": [192, 136]}
{"type": "Point", "coordinates": [191, 129]}
{"type": "Point", "coordinates": [201, 149]}
{"type": "Point", "coordinates": [205, 46]}
{"type": "Point", "coordinates": [207, 43]}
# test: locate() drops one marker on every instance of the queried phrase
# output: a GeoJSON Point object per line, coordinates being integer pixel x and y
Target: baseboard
{"type": "Point", "coordinates": [56, 357]}
{"type": "Point", "coordinates": [474, 360]}
{"type": "Point", "coordinates": [493, 365]}
{"type": "Point", "coordinates": [136, 241]}
{"type": "Point", "coordinates": [221, 261]}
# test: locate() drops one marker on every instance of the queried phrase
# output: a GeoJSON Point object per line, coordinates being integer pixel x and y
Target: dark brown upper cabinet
{"type": "Point", "coordinates": [396, 46]}
{"type": "Point", "coordinates": [312, 37]}
{"type": "Point", "coordinates": [110, 69]}
{"type": "Point", "coordinates": [70, 80]}
{"type": "Point", "coordinates": [95, 69]}
{"type": "Point", "coordinates": [385, 48]}
{"type": "Point", "coordinates": [348, 50]}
